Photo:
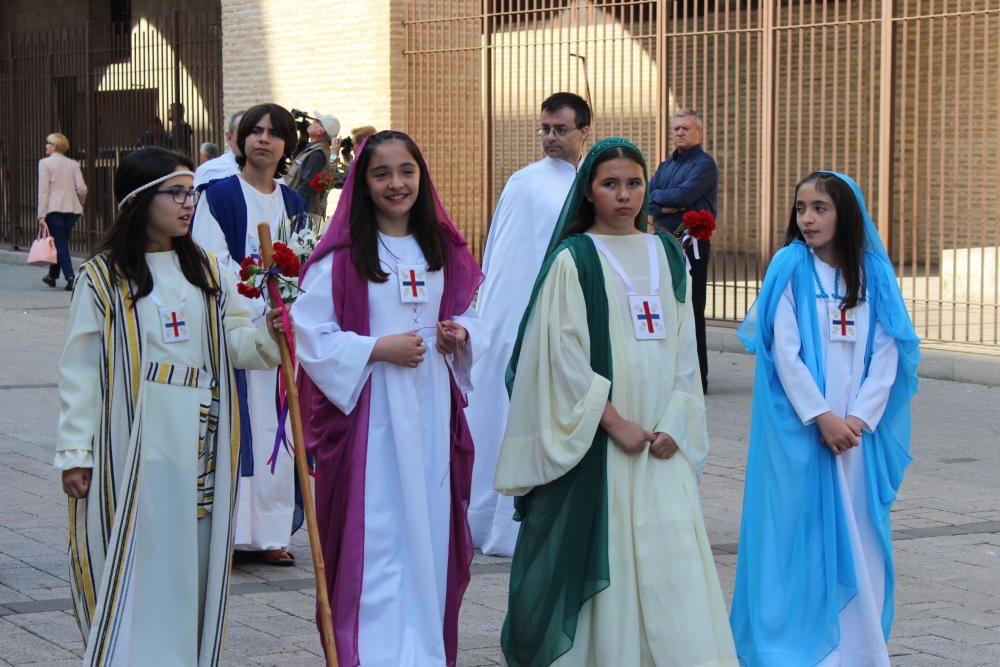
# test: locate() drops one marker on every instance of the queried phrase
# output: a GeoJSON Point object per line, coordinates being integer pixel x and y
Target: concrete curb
{"type": "Point", "coordinates": [935, 364]}
{"type": "Point", "coordinates": [8, 256]}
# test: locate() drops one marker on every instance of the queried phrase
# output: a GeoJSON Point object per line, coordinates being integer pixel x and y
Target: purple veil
{"type": "Point", "coordinates": [339, 442]}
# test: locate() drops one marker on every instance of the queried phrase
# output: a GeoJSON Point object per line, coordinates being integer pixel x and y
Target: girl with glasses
{"type": "Point", "coordinates": [148, 428]}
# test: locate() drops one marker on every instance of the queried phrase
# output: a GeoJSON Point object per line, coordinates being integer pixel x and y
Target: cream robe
{"type": "Point", "coordinates": [664, 606]}
{"type": "Point", "coordinates": [164, 599]}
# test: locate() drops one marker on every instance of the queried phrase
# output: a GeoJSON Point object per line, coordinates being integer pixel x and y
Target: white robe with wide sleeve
{"type": "Point", "coordinates": [861, 639]}
{"type": "Point", "coordinates": [664, 605]}
{"type": "Point", "coordinates": [267, 500]}
{"type": "Point", "coordinates": [167, 583]}
{"type": "Point", "coordinates": [519, 234]}
{"type": "Point", "coordinates": [407, 504]}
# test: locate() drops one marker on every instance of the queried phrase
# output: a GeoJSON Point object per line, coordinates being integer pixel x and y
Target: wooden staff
{"type": "Point", "coordinates": [301, 464]}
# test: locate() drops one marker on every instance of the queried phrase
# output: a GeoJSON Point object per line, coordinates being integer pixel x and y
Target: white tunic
{"type": "Point", "coordinates": [519, 234]}
{"type": "Point", "coordinates": [169, 572]}
{"type": "Point", "coordinates": [407, 476]}
{"type": "Point", "coordinates": [266, 500]}
{"type": "Point", "coordinates": [861, 640]}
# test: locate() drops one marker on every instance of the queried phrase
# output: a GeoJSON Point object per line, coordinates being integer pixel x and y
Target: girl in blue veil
{"type": "Point", "coordinates": [829, 438]}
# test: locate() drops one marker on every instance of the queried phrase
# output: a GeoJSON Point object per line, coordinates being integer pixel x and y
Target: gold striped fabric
{"type": "Point", "coordinates": [101, 526]}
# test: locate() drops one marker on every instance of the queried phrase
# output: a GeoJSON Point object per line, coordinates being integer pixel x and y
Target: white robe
{"type": "Point", "coordinates": [664, 605]}
{"type": "Point", "coordinates": [519, 234]}
{"type": "Point", "coordinates": [223, 166]}
{"type": "Point", "coordinates": [407, 477]}
{"type": "Point", "coordinates": [861, 640]}
{"type": "Point", "coordinates": [266, 500]}
{"type": "Point", "coordinates": [161, 625]}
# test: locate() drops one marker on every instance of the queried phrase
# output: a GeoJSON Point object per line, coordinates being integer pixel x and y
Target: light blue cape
{"type": "Point", "coordinates": [795, 571]}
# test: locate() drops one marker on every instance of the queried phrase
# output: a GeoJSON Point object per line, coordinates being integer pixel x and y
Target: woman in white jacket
{"type": "Point", "coordinates": [61, 193]}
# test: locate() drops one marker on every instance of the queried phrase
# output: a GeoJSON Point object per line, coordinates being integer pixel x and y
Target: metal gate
{"type": "Point", "coordinates": [104, 86]}
{"type": "Point", "coordinates": [904, 95]}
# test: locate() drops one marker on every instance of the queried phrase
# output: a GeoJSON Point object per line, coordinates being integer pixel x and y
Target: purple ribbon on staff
{"type": "Point", "coordinates": [280, 437]}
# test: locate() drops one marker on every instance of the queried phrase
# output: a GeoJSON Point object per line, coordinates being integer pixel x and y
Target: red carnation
{"type": "Point", "coordinates": [699, 224]}
{"type": "Point", "coordinates": [286, 259]}
{"type": "Point", "coordinates": [245, 268]}
{"type": "Point", "coordinates": [321, 181]}
{"type": "Point", "coordinates": [248, 291]}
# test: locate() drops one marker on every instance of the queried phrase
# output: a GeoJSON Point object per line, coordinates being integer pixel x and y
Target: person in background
{"type": "Point", "coordinates": [359, 134]}
{"type": "Point", "coordinates": [688, 181]}
{"type": "Point", "coordinates": [225, 165]}
{"type": "Point", "coordinates": [154, 135]}
{"type": "Point", "coordinates": [179, 137]}
{"type": "Point", "coordinates": [208, 151]}
{"type": "Point", "coordinates": [61, 194]}
{"type": "Point", "coordinates": [522, 225]}
{"type": "Point", "coordinates": [322, 132]}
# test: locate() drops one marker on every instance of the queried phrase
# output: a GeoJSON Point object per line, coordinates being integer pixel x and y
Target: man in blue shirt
{"type": "Point", "coordinates": [688, 181]}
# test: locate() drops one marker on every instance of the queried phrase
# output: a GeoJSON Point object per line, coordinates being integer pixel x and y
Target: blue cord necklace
{"type": "Point", "coordinates": [821, 292]}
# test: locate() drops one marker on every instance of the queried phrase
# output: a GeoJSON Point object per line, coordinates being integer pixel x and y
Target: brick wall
{"type": "Point", "coordinates": [339, 57]}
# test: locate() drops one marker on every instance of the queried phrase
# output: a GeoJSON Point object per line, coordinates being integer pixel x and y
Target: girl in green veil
{"type": "Point", "coordinates": [605, 443]}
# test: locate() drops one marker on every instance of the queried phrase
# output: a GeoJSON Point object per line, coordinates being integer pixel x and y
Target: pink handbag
{"type": "Point", "coordinates": [43, 249]}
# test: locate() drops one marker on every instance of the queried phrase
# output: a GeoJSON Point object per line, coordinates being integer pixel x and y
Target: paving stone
{"type": "Point", "coordinates": [18, 646]}
{"type": "Point", "coordinates": [947, 522]}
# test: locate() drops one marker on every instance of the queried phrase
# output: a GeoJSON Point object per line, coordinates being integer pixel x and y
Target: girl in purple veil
{"type": "Point", "coordinates": [386, 339]}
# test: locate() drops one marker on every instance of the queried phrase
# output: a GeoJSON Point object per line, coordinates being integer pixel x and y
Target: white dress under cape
{"type": "Point", "coordinates": [861, 641]}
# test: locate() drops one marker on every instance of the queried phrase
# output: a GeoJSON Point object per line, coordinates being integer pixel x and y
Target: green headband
{"type": "Point", "coordinates": [578, 191]}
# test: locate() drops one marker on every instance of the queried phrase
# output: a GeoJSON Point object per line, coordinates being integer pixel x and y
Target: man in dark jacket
{"type": "Point", "coordinates": [688, 181]}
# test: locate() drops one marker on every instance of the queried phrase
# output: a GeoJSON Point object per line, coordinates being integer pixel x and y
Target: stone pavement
{"type": "Point", "coordinates": [947, 520]}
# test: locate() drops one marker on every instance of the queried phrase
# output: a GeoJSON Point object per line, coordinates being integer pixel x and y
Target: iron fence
{"type": "Point", "coordinates": [904, 95]}
{"type": "Point", "coordinates": [109, 88]}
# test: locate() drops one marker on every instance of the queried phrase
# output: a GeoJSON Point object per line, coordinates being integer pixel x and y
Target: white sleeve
{"type": "Point", "coordinates": [800, 388]}
{"type": "Point", "coordinates": [81, 185]}
{"type": "Point", "coordinates": [337, 361]}
{"type": "Point", "coordinates": [206, 232]}
{"type": "Point", "coordinates": [79, 373]}
{"type": "Point", "coordinates": [250, 345]}
{"type": "Point", "coordinates": [43, 189]}
{"type": "Point", "coordinates": [466, 356]}
{"type": "Point", "coordinates": [558, 399]}
{"type": "Point", "coordinates": [874, 392]}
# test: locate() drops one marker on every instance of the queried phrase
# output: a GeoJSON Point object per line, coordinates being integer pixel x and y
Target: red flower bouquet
{"type": "Point", "coordinates": [322, 181]}
{"type": "Point", "coordinates": [697, 224]}
{"type": "Point", "coordinates": [284, 268]}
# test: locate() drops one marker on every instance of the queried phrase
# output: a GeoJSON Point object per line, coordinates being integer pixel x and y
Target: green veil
{"type": "Point", "coordinates": [561, 557]}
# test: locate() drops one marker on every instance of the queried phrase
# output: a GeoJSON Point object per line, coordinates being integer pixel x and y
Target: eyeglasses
{"type": "Point", "coordinates": [557, 130]}
{"type": "Point", "coordinates": [180, 196]}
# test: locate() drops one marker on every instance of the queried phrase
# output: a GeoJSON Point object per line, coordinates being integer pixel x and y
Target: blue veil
{"type": "Point", "coordinates": [795, 571]}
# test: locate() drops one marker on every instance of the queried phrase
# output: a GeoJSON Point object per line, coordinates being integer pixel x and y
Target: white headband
{"type": "Point", "coordinates": [161, 179]}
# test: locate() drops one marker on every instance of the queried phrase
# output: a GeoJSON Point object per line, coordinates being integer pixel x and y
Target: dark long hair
{"type": "Point", "coordinates": [283, 126]}
{"type": "Point", "coordinates": [424, 223]}
{"type": "Point", "coordinates": [848, 239]}
{"type": "Point", "coordinates": [125, 242]}
{"type": "Point", "coordinates": [587, 215]}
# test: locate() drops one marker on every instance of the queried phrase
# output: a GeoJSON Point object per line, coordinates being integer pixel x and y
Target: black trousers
{"type": "Point", "coordinates": [699, 290]}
